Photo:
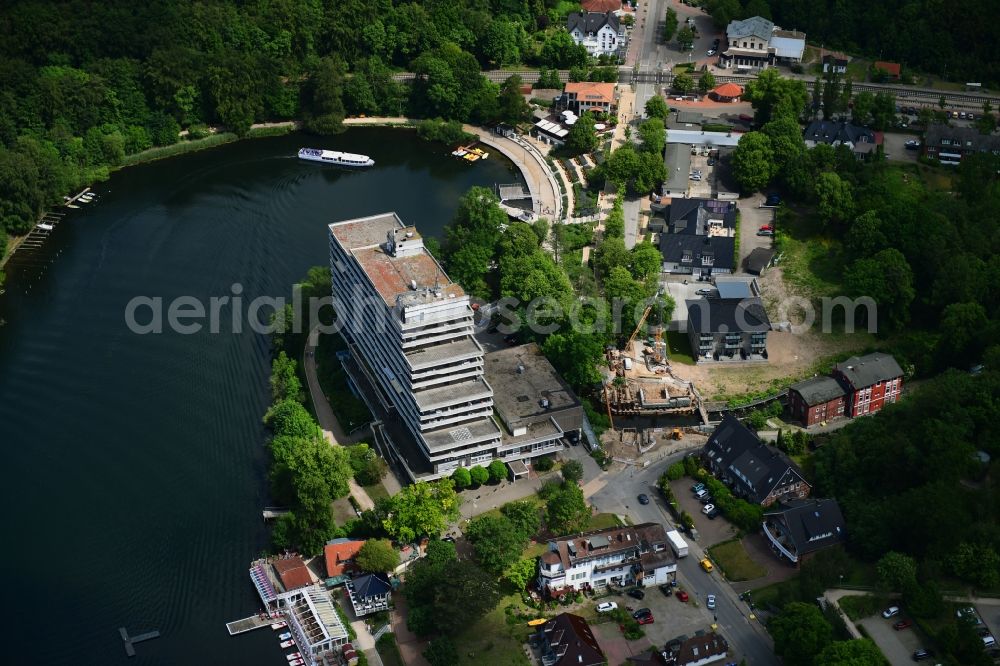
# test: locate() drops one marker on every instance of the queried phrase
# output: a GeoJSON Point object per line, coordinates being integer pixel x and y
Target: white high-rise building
{"type": "Point", "coordinates": [412, 328]}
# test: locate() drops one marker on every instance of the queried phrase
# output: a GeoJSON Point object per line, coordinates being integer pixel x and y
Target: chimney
{"type": "Point", "coordinates": [413, 285]}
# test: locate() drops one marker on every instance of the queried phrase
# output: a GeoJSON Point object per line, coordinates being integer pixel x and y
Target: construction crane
{"type": "Point", "coordinates": [642, 320]}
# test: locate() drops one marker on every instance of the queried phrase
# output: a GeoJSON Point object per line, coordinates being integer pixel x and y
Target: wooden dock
{"type": "Point", "coordinates": [248, 624]}
{"type": "Point", "coordinates": [130, 642]}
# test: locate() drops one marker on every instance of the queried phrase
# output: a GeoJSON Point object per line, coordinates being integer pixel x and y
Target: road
{"type": "Point", "coordinates": [747, 636]}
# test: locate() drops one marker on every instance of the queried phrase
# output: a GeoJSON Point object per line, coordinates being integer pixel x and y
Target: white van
{"type": "Point", "coordinates": [989, 641]}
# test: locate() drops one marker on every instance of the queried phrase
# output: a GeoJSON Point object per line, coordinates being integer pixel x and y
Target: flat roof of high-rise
{"type": "Point", "coordinates": [364, 238]}
{"type": "Point", "coordinates": [522, 378]}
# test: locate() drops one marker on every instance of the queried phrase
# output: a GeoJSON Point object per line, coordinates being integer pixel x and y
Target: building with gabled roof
{"type": "Point", "coordinates": [582, 96]}
{"type": "Point", "coordinates": [700, 650]}
{"type": "Point", "coordinates": [293, 572]}
{"type": "Point", "coordinates": [756, 43]}
{"type": "Point", "coordinates": [598, 33]}
{"type": "Point", "coordinates": [567, 640]}
{"type": "Point", "coordinates": [871, 382]}
{"type": "Point", "coordinates": [731, 326]}
{"type": "Point", "coordinates": [800, 528]}
{"type": "Point", "coordinates": [339, 555]}
{"type": "Point", "coordinates": [817, 399]}
{"type": "Point", "coordinates": [891, 68]}
{"type": "Point", "coordinates": [861, 140]}
{"type": "Point", "coordinates": [612, 556]}
{"type": "Point", "coordinates": [369, 593]}
{"type": "Point", "coordinates": [753, 470]}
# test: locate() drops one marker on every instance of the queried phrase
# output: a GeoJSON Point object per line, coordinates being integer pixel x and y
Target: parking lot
{"type": "Point", "coordinates": [897, 646]}
{"type": "Point", "coordinates": [681, 292]}
{"type": "Point", "coordinates": [672, 618]}
{"type": "Point", "coordinates": [710, 532]}
{"type": "Point", "coordinates": [752, 218]}
{"type": "Point", "coordinates": [701, 189]}
{"type": "Point", "coordinates": [894, 145]}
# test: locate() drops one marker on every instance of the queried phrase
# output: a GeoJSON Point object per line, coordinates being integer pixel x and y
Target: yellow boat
{"type": "Point", "coordinates": [535, 623]}
{"type": "Point", "coordinates": [472, 157]}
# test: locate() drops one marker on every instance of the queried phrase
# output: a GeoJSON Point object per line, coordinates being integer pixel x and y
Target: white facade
{"type": "Point", "coordinates": [313, 622]}
{"type": "Point", "coordinates": [604, 41]}
{"type": "Point", "coordinates": [413, 328]}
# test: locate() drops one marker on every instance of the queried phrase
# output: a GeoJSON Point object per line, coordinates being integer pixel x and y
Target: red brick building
{"type": "Point", "coordinates": [871, 382]}
{"type": "Point", "coordinates": [817, 400]}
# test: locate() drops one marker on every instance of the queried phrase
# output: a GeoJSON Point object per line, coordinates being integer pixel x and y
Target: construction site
{"type": "Point", "coordinates": [638, 379]}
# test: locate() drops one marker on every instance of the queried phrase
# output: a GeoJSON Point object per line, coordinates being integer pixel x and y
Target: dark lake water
{"type": "Point", "coordinates": [134, 467]}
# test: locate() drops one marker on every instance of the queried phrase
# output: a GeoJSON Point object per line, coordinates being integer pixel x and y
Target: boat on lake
{"type": "Point", "coordinates": [279, 625]}
{"type": "Point", "coordinates": [285, 636]}
{"type": "Point", "coordinates": [335, 157]}
{"type": "Point", "coordinates": [287, 644]}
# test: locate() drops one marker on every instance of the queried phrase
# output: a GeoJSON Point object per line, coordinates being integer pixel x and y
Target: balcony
{"type": "Point", "coordinates": [777, 540]}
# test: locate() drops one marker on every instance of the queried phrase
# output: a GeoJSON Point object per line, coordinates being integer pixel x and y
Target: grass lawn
{"type": "Point", "coordinates": [376, 492]}
{"type": "Point", "coordinates": [857, 70]}
{"type": "Point", "coordinates": [602, 521]}
{"type": "Point", "coordinates": [810, 260]}
{"type": "Point", "coordinates": [734, 561]}
{"type": "Point", "coordinates": [534, 550]}
{"type": "Point", "coordinates": [862, 605]}
{"type": "Point", "coordinates": [492, 640]}
{"type": "Point", "coordinates": [679, 347]}
{"type": "Point", "coordinates": [350, 410]}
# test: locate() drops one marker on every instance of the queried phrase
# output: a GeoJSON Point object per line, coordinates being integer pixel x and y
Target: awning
{"type": "Point", "coordinates": [518, 468]}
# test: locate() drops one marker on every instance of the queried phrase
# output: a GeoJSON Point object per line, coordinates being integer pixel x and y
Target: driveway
{"type": "Point", "coordinates": [710, 532]}
{"type": "Point", "coordinates": [897, 646]}
{"type": "Point", "coordinates": [895, 149]}
{"type": "Point", "coordinates": [752, 218]}
{"type": "Point", "coordinates": [681, 292]}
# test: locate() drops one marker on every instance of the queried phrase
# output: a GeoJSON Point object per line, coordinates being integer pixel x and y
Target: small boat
{"type": "Point", "coordinates": [293, 656]}
{"type": "Point", "coordinates": [279, 625]}
{"type": "Point", "coordinates": [535, 623]}
{"type": "Point", "coordinates": [480, 152]}
{"type": "Point", "coordinates": [45, 227]}
{"type": "Point", "coordinates": [74, 206]}
{"type": "Point", "coordinates": [472, 157]}
{"type": "Point", "coordinates": [335, 157]}
{"type": "Point", "coordinates": [287, 644]}
{"type": "Point", "coordinates": [459, 152]}
{"type": "Point", "coordinates": [285, 636]}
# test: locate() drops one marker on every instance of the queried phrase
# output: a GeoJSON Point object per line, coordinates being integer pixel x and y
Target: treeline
{"type": "Point", "coordinates": [83, 85]}
{"type": "Point", "coordinates": [920, 34]}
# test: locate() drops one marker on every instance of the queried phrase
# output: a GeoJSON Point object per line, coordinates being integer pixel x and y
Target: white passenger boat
{"type": "Point", "coordinates": [285, 636]}
{"type": "Point", "coordinates": [287, 644]}
{"type": "Point", "coordinates": [335, 157]}
{"type": "Point", "coordinates": [279, 625]}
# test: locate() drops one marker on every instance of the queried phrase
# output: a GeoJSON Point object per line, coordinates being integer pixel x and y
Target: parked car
{"type": "Point", "coordinates": [711, 161]}
{"type": "Point", "coordinates": [607, 607]}
{"type": "Point", "coordinates": [970, 613]}
{"type": "Point", "coordinates": [772, 199]}
{"type": "Point", "coordinates": [765, 232]}
{"type": "Point", "coordinates": [921, 654]}
{"type": "Point", "coordinates": [705, 292]}
{"type": "Point", "coordinates": [643, 616]}
{"type": "Point", "coordinates": [710, 602]}
{"type": "Point", "coordinates": [707, 508]}
{"type": "Point", "coordinates": [745, 117]}
{"type": "Point", "coordinates": [766, 227]}
{"type": "Point", "coordinates": [643, 498]}
{"type": "Point", "coordinates": [696, 487]}
{"type": "Point", "coordinates": [682, 595]}
{"type": "Point", "coordinates": [667, 590]}
{"type": "Point", "coordinates": [700, 493]}
{"type": "Point", "coordinates": [713, 514]}
{"type": "Point", "coordinates": [891, 611]}
{"type": "Point", "coordinates": [706, 564]}
{"type": "Point", "coordinates": [636, 593]}
{"type": "Point", "coordinates": [711, 52]}
{"type": "Point", "coordinates": [912, 144]}
{"type": "Point", "coordinates": [707, 499]}
{"type": "Point", "coordinates": [902, 624]}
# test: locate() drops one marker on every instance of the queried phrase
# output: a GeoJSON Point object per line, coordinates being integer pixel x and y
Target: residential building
{"type": "Point", "coordinates": [837, 62]}
{"type": "Point", "coordinates": [816, 400]}
{"type": "Point", "coordinates": [369, 593]}
{"type": "Point", "coordinates": [861, 140]}
{"type": "Point", "coordinates": [567, 640]}
{"type": "Point", "coordinates": [583, 96]}
{"type": "Point", "coordinates": [599, 33]}
{"type": "Point", "coordinates": [731, 326]}
{"type": "Point", "coordinates": [753, 470]}
{"type": "Point", "coordinates": [293, 572]}
{"type": "Point", "coordinates": [601, 6]}
{"type": "Point", "coordinates": [697, 236]}
{"type": "Point", "coordinates": [949, 145]}
{"type": "Point", "coordinates": [800, 528]}
{"type": "Point", "coordinates": [871, 382]}
{"type": "Point", "coordinates": [319, 635]}
{"type": "Point", "coordinates": [755, 43]}
{"type": "Point", "coordinates": [699, 650]}
{"type": "Point", "coordinates": [339, 555]}
{"type": "Point", "coordinates": [409, 331]}
{"type": "Point", "coordinates": [537, 409]}
{"type": "Point", "coordinates": [634, 554]}
{"type": "Point", "coordinates": [890, 68]}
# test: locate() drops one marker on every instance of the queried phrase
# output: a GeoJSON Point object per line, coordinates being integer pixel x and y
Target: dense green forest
{"type": "Point", "coordinates": [83, 85]}
{"type": "Point", "coordinates": [927, 35]}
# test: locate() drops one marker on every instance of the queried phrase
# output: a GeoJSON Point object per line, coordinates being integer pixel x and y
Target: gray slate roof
{"type": "Point", "coordinates": [691, 216]}
{"type": "Point", "coordinates": [812, 524]}
{"type": "Point", "coordinates": [964, 138]}
{"type": "Point", "coordinates": [728, 315]}
{"type": "Point", "coordinates": [755, 26]}
{"type": "Point", "coordinates": [868, 370]}
{"type": "Point", "coordinates": [370, 585]}
{"type": "Point", "coordinates": [830, 132]}
{"type": "Point", "coordinates": [758, 260]}
{"type": "Point", "coordinates": [818, 390]}
{"type": "Point", "coordinates": [591, 21]}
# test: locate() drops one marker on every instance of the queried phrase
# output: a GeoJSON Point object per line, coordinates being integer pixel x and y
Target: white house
{"type": "Point", "coordinates": [638, 554]}
{"type": "Point", "coordinates": [599, 33]}
{"type": "Point", "coordinates": [755, 43]}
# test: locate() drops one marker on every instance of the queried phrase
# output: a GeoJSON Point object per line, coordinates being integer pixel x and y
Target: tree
{"type": "Point", "coordinates": [497, 470]}
{"type": "Point", "coordinates": [561, 52]}
{"type": "Point", "coordinates": [582, 137]}
{"type": "Point", "coordinates": [548, 78]}
{"type": "Point", "coordinates": [567, 511]}
{"type": "Point", "coordinates": [865, 236]}
{"type": "Point", "coordinates": [669, 24]}
{"type": "Point", "coordinates": [575, 355]}
{"type": "Point", "coordinates": [656, 107]}
{"type": "Point", "coordinates": [646, 260]}
{"type": "Point", "coordinates": [800, 632]}
{"type": "Point", "coordinates": [685, 38]}
{"type": "Point", "coordinates": [888, 279]}
{"type": "Point", "coordinates": [883, 110]}
{"type": "Point", "coordinates": [831, 94]}
{"type": "Point", "coordinates": [786, 140]}
{"type": "Point", "coordinates": [683, 83]}
{"type": "Point", "coordinates": [501, 44]}
{"type": "Point", "coordinates": [323, 109]}
{"type": "Point", "coordinates": [858, 652]}
{"type": "Point", "coordinates": [513, 108]}
{"type": "Point", "coordinates": [377, 556]}
{"type": "Point", "coordinates": [706, 82]}
{"type": "Point", "coordinates": [421, 509]}
{"type": "Point", "coordinates": [462, 478]}
{"type": "Point", "coordinates": [479, 475]}
{"type": "Point", "coordinates": [836, 199]}
{"type": "Point", "coordinates": [771, 95]}
{"type": "Point", "coordinates": [864, 104]}
{"type": "Point", "coordinates": [896, 571]}
{"type": "Point", "coordinates": [522, 572]}
{"type": "Point", "coordinates": [962, 339]}
{"type": "Point", "coordinates": [441, 652]}
{"type": "Point", "coordinates": [572, 471]}
{"type": "Point", "coordinates": [753, 161]}
{"type": "Point", "coordinates": [496, 540]}
{"type": "Point", "coordinates": [284, 379]}
{"type": "Point", "coordinates": [523, 515]}
{"type": "Point", "coordinates": [653, 135]}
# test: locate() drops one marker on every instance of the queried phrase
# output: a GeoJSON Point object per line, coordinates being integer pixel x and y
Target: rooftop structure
{"type": "Point", "coordinates": [411, 331]}
{"type": "Point", "coordinates": [293, 572]}
{"type": "Point", "coordinates": [369, 593]}
{"type": "Point", "coordinates": [803, 527]}
{"type": "Point", "coordinates": [313, 622]}
{"type": "Point", "coordinates": [699, 138]}
{"type": "Point", "coordinates": [597, 32]}
{"type": "Point", "coordinates": [860, 140]}
{"type": "Point", "coordinates": [950, 144]}
{"type": "Point", "coordinates": [755, 26]}
{"type": "Point", "coordinates": [890, 68]}
{"type": "Point", "coordinates": [567, 640]}
{"type": "Point", "coordinates": [862, 371]}
{"type": "Point", "coordinates": [758, 260]}
{"type": "Point", "coordinates": [590, 93]}
{"type": "Point", "coordinates": [601, 6]}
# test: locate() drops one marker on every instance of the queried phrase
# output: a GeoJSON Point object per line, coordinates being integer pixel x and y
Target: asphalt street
{"type": "Point", "coordinates": [618, 495]}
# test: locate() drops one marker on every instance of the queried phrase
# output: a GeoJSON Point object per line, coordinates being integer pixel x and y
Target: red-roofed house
{"type": "Point", "coordinates": [293, 573]}
{"type": "Point", "coordinates": [728, 92]}
{"type": "Point", "coordinates": [589, 96]}
{"type": "Point", "coordinates": [890, 68]}
{"type": "Point", "coordinates": [340, 554]}
{"type": "Point", "coordinates": [601, 6]}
